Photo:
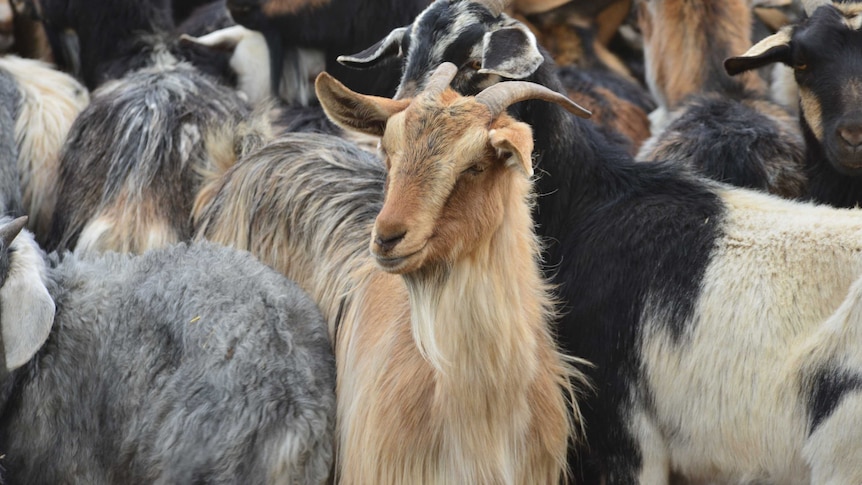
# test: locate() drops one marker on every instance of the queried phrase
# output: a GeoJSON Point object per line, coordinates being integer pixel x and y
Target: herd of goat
{"type": "Point", "coordinates": [416, 241]}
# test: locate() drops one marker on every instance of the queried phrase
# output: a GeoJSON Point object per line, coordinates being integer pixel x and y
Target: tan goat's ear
{"type": "Point", "coordinates": [775, 48]}
{"type": "Point", "coordinates": [354, 111]}
{"type": "Point", "coordinates": [514, 140]}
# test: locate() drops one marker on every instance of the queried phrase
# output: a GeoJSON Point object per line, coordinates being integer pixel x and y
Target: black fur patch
{"type": "Point", "coordinates": [830, 385]}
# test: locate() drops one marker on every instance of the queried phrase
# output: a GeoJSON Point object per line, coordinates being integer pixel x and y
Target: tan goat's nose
{"type": "Point", "coordinates": [389, 237]}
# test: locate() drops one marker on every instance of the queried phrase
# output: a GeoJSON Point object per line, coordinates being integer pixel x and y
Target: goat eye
{"type": "Point", "coordinates": [800, 66]}
{"type": "Point", "coordinates": [476, 65]}
{"type": "Point", "coordinates": [474, 169]}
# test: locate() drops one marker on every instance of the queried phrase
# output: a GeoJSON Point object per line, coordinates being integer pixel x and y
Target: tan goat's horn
{"type": "Point", "coordinates": [502, 95]}
{"type": "Point", "coordinates": [10, 230]}
{"type": "Point", "coordinates": [495, 6]}
{"type": "Point", "coordinates": [439, 81]}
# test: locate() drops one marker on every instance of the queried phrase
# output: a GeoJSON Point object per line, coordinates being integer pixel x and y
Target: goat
{"type": "Point", "coordinates": [136, 155]}
{"type": "Point", "coordinates": [444, 396]}
{"type": "Point", "coordinates": [723, 127]}
{"type": "Point", "coordinates": [189, 364]}
{"type": "Point", "coordinates": [45, 103]}
{"type": "Point", "coordinates": [823, 51]}
{"type": "Point", "coordinates": [688, 296]}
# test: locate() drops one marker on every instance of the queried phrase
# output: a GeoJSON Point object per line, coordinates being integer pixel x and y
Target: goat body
{"type": "Point", "coordinates": [135, 157]}
{"type": "Point", "coordinates": [189, 364]}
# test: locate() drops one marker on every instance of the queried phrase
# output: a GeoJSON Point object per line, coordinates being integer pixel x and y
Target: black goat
{"type": "Point", "coordinates": [825, 52]}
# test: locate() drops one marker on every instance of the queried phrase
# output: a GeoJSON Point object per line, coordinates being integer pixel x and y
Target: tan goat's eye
{"type": "Point", "coordinates": [476, 65]}
{"type": "Point", "coordinates": [800, 67]}
{"type": "Point", "coordinates": [474, 169]}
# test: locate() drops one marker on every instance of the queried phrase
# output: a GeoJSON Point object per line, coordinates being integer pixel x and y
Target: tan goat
{"type": "Point", "coordinates": [447, 369]}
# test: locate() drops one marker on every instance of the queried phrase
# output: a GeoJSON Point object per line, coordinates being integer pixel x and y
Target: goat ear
{"type": "Point", "coordinates": [511, 52]}
{"type": "Point", "coordinates": [775, 48]}
{"type": "Point", "coordinates": [387, 48]}
{"type": "Point", "coordinates": [354, 111]}
{"type": "Point", "coordinates": [516, 140]}
{"type": "Point", "coordinates": [26, 307]}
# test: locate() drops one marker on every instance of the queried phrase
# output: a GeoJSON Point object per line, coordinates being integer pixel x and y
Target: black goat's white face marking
{"type": "Point", "coordinates": [484, 47]}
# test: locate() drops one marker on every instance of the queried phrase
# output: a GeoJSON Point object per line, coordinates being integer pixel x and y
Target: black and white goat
{"type": "Point", "coordinates": [825, 52]}
{"type": "Point", "coordinates": [192, 364]}
{"type": "Point", "coordinates": [698, 303]}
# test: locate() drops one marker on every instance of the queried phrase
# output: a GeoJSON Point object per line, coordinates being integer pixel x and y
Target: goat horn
{"type": "Point", "coordinates": [439, 81]}
{"type": "Point", "coordinates": [502, 95]}
{"type": "Point", "coordinates": [495, 6]}
{"type": "Point", "coordinates": [10, 230]}
{"type": "Point", "coordinates": [811, 5]}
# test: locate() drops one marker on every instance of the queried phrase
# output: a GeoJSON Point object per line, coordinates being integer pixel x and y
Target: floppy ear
{"type": "Point", "coordinates": [516, 140]}
{"type": "Point", "coordinates": [775, 48]}
{"type": "Point", "coordinates": [510, 52]}
{"type": "Point", "coordinates": [387, 48]}
{"type": "Point", "coordinates": [354, 111]}
{"type": "Point", "coordinates": [26, 307]}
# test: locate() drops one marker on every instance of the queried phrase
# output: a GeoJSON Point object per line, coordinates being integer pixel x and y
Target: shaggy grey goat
{"type": "Point", "coordinates": [135, 157]}
{"type": "Point", "coordinates": [190, 364]}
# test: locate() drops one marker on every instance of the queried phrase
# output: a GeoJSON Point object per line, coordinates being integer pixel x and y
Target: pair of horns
{"type": "Point", "coordinates": [502, 95]}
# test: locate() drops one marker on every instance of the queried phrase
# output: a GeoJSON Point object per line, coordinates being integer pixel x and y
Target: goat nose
{"type": "Point", "coordinates": [388, 241]}
{"type": "Point", "coordinates": [851, 134]}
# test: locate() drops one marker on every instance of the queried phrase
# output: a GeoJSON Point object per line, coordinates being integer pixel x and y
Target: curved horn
{"type": "Point", "coordinates": [10, 230]}
{"type": "Point", "coordinates": [502, 95]}
{"type": "Point", "coordinates": [440, 79]}
{"type": "Point", "coordinates": [495, 6]}
{"type": "Point", "coordinates": [811, 5]}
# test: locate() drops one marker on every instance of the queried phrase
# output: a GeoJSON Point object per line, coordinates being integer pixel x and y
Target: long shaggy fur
{"type": "Point", "coordinates": [136, 156]}
{"type": "Point", "coordinates": [186, 365]}
{"type": "Point", "coordinates": [10, 189]}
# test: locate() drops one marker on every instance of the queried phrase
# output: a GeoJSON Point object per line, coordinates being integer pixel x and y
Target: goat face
{"type": "Point", "coordinates": [451, 164]}
{"type": "Point", "coordinates": [486, 47]}
{"type": "Point", "coordinates": [825, 52]}
{"type": "Point", "coordinates": [445, 185]}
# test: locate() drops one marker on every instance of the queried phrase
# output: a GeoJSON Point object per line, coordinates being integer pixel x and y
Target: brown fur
{"type": "Point", "coordinates": [678, 34]}
{"type": "Point", "coordinates": [618, 114]}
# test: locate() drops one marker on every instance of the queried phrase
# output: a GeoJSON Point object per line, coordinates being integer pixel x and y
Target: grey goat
{"type": "Point", "coordinates": [188, 364]}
